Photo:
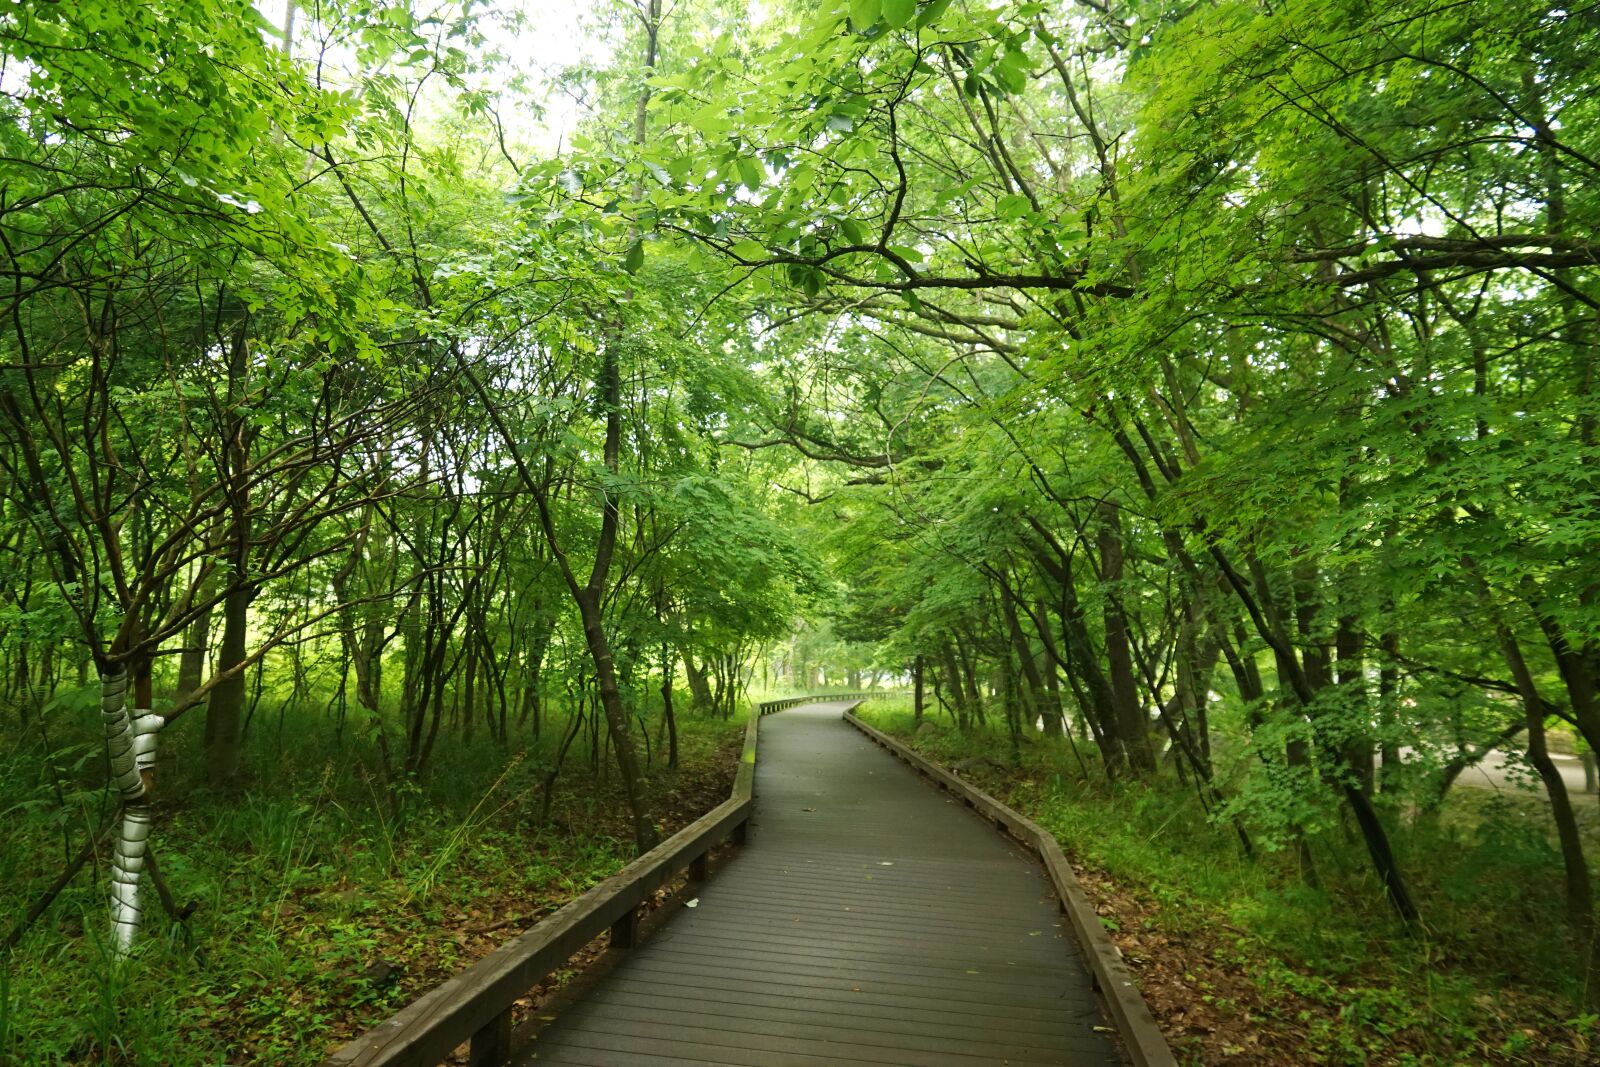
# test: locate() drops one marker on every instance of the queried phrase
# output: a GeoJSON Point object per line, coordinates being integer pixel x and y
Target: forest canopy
{"type": "Point", "coordinates": [1207, 392]}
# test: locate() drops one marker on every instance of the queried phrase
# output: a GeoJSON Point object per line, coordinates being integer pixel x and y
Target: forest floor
{"type": "Point", "coordinates": [1244, 964]}
{"type": "Point", "coordinates": [323, 901]}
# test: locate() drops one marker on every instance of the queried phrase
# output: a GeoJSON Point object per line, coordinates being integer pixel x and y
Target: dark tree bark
{"type": "Point", "coordinates": [916, 689]}
{"type": "Point", "coordinates": [1133, 724]}
{"type": "Point", "coordinates": [225, 709]}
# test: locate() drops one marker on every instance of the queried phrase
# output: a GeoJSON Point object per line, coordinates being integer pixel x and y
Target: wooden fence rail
{"type": "Point", "coordinates": [771, 706]}
{"type": "Point", "coordinates": [476, 1004]}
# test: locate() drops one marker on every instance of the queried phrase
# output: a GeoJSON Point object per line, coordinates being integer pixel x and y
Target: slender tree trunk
{"type": "Point", "coordinates": [1133, 724]}
{"type": "Point", "coordinates": [196, 649]}
{"type": "Point", "coordinates": [958, 695]}
{"type": "Point", "coordinates": [916, 689]}
{"type": "Point", "coordinates": [1389, 712]}
{"type": "Point", "coordinates": [225, 709]}
{"type": "Point", "coordinates": [1033, 685]}
{"type": "Point", "coordinates": [1580, 889]}
{"type": "Point", "coordinates": [667, 714]}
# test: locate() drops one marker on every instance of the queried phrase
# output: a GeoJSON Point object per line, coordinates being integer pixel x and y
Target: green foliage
{"type": "Point", "coordinates": [1209, 387]}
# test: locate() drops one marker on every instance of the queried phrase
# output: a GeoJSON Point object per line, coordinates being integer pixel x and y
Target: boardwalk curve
{"type": "Point", "coordinates": [868, 920]}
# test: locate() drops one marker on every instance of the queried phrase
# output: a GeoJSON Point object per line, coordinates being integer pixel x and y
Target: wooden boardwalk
{"type": "Point", "coordinates": [871, 919]}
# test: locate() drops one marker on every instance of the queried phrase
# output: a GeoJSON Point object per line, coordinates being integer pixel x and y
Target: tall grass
{"type": "Point", "coordinates": [315, 870]}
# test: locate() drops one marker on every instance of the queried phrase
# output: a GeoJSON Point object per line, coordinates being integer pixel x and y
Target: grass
{"type": "Point", "coordinates": [322, 902]}
{"type": "Point", "coordinates": [1246, 963]}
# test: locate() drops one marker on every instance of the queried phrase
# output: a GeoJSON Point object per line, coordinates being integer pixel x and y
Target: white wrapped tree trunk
{"type": "Point", "coordinates": [131, 742]}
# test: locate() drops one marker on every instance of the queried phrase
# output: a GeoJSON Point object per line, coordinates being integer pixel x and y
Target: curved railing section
{"type": "Point", "coordinates": [771, 706]}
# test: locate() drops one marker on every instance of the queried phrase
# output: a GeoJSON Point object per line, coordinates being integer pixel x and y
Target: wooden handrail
{"type": "Point", "coordinates": [770, 706]}
{"type": "Point", "coordinates": [476, 1004]}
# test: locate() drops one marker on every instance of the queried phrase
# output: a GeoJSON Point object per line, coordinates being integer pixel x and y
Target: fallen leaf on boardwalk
{"type": "Point", "coordinates": [808, 809]}
{"type": "Point", "coordinates": [885, 863]}
{"type": "Point", "coordinates": [695, 903]}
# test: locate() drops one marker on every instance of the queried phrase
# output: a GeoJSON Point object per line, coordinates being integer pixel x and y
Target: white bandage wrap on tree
{"type": "Point", "coordinates": [131, 742]}
{"type": "Point", "coordinates": [127, 865]}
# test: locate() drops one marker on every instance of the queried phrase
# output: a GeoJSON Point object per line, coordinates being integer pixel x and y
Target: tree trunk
{"type": "Point", "coordinates": [1580, 890]}
{"type": "Point", "coordinates": [1389, 712]}
{"type": "Point", "coordinates": [594, 635]}
{"type": "Point", "coordinates": [225, 709]}
{"type": "Point", "coordinates": [699, 687]}
{"type": "Point", "coordinates": [1033, 685]}
{"type": "Point", "coordinates": [667, 714]}
{"type": "Point", "coordinates": [192, 661]}
{"type": "Point", "coordinates": [1133, 725]}
{"type": "Point", "coordinates": [131, 744]}
{"type": "Point", "coordinates": [916, 689]}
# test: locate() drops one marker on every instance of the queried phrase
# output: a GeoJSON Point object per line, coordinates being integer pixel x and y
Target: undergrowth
{"type": "Point", "coordinates": [324, 896]}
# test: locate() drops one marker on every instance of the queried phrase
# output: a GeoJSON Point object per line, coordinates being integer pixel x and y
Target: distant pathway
{"type": "Point", "coordinates": [1494, 772]}
{"type": "Point", "coordinates": [871, 919]}
{"type": "Point", "coordinates": [1498, 771]}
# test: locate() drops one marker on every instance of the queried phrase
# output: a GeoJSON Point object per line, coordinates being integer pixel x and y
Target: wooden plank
{"type": "Point", "coordinates": [769, 1043]}
{"type": "Point", "coordinates": [989, 1002]}
{"type": "Point", "coordinates": [868, 927]}
{"type": "Point", "coordinates": [741, 1003]}
{"type": "Point", "coordinates": [953, 977]}
{"type": "Point", "coordinates": [863, 1032]}
{"type": "Point", "coordinates": [997, 1012]}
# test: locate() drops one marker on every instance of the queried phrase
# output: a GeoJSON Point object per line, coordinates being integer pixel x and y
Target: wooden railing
{"type": "Point", "coordinates": [475, 1005]}
{"type": "Point", "coordinates": [771, 706]}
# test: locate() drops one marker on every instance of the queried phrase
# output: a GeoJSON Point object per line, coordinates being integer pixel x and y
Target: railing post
{"type": "Point", "coordinates": [491, 1046]}
{"type": "Point", "coordinates": [697, 867]}
{"type": "Point", "coordinates": [625, 931]}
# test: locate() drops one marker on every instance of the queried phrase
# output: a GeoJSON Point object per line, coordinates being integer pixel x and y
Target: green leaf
{"type": "Point", "coordinates": [865, 13]}
{"type": "Point", "coordinates": [1012, 206]}
{"type": "Point", "coordinates": [634, 259]}
{"type": "Point", "coordinates": [751, 172]}
{"type": "Point", "coordinates": [659, 172]}
{"type": "Point", "coordinates": [899, 12]}
{"type": "Point", "coordinates": [1012, 71]}
{"type": "Point", "coordinates": [931, 12]}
